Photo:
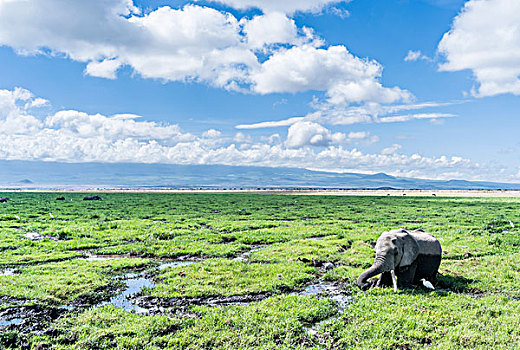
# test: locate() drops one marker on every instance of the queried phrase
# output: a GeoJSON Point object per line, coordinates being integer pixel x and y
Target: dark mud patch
{"type": "Point", "coordinates": [245, 255]}
{"type": "Point", "coordinates": [457, 284]}
{"type": "Point", "coordinates": [20, 319]}
{"type": "Point", "coordinates": [207, 227]}
{"type": "Point", "coordinates": [6, 300]}
{"type": "Point", "coordinates": [42, 262]}
{"type": "Point", "coordinates": [18, 325]}
{"type": "Point", "coordinates": [28, 318]}
{"type": "Point", "coordinates": [158, 305]}
{"type": "Point", "coordinates": [97, 296]}
{"type": "Point", "coordinates": [322, 265]}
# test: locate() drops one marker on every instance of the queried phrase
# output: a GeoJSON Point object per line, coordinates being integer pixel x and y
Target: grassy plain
{"type": "Point", "coordinates": [252, 244]}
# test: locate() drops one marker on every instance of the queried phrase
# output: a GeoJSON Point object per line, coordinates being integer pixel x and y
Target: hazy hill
{"type": "Point", "coordinates": [24, 174]}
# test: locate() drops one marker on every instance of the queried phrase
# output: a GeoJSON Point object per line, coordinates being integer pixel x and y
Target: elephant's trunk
{"type": "Point", "coordinates": [375, 269]}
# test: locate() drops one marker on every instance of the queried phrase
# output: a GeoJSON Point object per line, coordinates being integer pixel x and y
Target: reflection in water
{"type": "Point", "coordinates": [10, 322]}
{"type": "Point", "coordinates": [135, 283]}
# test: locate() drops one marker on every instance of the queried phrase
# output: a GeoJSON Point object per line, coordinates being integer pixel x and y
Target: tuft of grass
{"type": "Point", "coordinates": [279, 322]}
{"type": "Point", "coordinates": [220, 277]}
{"type": "Point", "coordinates": [381, 319]}
{"type": "Point", "coordinates": [62, 282]}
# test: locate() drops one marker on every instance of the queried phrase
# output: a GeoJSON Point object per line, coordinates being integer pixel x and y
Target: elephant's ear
{"type": "Point", "coordinates": [410, 250]}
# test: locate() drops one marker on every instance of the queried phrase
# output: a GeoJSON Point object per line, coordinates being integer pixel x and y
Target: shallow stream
{"type": "Point", "coordinates": [134, 284]}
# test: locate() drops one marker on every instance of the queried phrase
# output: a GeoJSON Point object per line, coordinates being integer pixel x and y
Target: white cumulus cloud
{"type": "Point", "coordinates": [346, 78]}
{"type": "Point", "coordinates": [74, 136]}
{"type": "Point", "coordinates": [485, 38]}
{"type": "Point", "coordinates": [285, 6]}
{"type": "Point", "coordinates": [271, 28]}
{"type": "Point", "coordinates": [392, 149]}
{"type": "Point", "coordinates": [265, 54]}
{"type": "Point", "coordinates": [211, 134]}
{"type": "Point", "coordinates": [311, 134]}
{"type": "Point", "coordinates": [364, 136]}
{"type": "Point", "coordinates": [415, 56]}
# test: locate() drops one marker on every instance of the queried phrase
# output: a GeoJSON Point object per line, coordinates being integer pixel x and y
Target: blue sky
{"type": "Point", "coordinates": [412, 88]}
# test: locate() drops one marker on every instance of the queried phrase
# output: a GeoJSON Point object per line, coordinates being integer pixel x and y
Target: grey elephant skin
{"type": "Point", "coordinates": [413, 255]}
{"type": "Point", "coordinates": [92, 198]}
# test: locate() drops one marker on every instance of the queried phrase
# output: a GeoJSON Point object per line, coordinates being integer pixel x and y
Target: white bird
{"type": "Point", "coordinates": [427, 284]}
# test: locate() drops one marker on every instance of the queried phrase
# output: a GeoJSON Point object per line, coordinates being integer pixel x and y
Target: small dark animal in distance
{"type": "Point", "coordinates": [60, 198]}
{"type": "Point", "coordinates": [92, 198]}
{"type": "Point", "coordinates": [4, 200]}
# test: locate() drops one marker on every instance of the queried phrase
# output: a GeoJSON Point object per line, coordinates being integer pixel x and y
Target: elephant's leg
{"type": "Point", "coordinates": [406, 276]}
{"type": "Point", "coordinates": [385, 280]}
{"type": "Point", "coordinates": [427, 267]}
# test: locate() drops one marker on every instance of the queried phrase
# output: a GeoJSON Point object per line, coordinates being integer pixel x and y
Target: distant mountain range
{"type": "Point", "coordinates": [51, 175]}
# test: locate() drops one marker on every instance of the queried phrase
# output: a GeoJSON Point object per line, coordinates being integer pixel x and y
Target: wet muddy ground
{"type": "Point", "coordinates": [258, 244]}
{"type": "Point", "coordinates": [30, 317]}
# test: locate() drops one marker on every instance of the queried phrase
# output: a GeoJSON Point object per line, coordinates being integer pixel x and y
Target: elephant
{"type": "Point", "coordinates": [92, 198]}
{"type": "Point", "coordinates": [403, 258]}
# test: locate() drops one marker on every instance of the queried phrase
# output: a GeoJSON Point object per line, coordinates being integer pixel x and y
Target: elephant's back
{"type": "Point", "coordinates": [428, 244]}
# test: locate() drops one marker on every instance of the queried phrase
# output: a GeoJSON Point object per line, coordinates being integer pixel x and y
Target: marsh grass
{"type": "Point", "coordinates": [475, 305]}
{"type": "Point", "coordinates": [219, 277]}
{"type": "Point", "coordinates": [60, 283]}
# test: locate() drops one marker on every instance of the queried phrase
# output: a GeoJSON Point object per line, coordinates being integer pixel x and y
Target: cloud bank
{"type": "Point", "coordinates": [265, 54]}
{"type": "Point", "coordinates": [285, 6]}
{"type": "Point", "coordinates": [73, 136]}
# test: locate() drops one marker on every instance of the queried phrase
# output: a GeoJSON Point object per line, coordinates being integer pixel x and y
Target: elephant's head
{"type": "Point", "coordinates": [394, 249]}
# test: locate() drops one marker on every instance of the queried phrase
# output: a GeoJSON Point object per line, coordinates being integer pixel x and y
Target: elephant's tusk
{"type": "Point", "coordinates": [394, 280]}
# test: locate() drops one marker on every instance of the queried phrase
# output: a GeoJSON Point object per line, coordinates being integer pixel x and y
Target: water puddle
{"type": "Point", "coordinates": [35, 236]}
{"type": "Point", "coordinates": [316, 238]}
{"type": "Point", "coordinates": [66, 307]}
{"type": "Point", "coordinates": [14, 321]}
{"type": "Point", "coordinates": [175, 264]}
{"type": "Point", "coordinates": [244, 256]}
{"type": "Point", "coordinates": [319, 288]}
{"type": "Point", "coordinates": [135, 283]}
{"type": "Point", "coordinates": [7, 272]}
{"type": "Point", "coordinates": [93, 257]}
{"type": "Point", "coordinates": [334, 292]}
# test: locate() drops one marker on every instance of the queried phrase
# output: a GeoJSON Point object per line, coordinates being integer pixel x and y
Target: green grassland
{"type": "Point", "coordinates": [273, 246]}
